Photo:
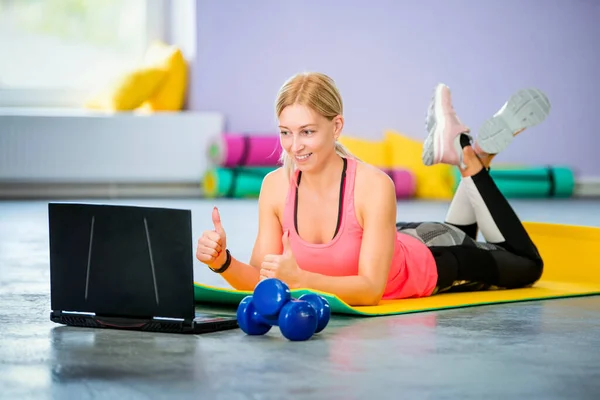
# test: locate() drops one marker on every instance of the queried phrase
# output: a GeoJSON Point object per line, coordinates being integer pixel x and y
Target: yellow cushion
{"type": "Point", "coordinates": [370, 151]}
{"type": "Point", "coordinates": [434, 182]}
{"type": "Point", "coordinates": [127, 91]}
{"type": "Point", "coordinates": [170, 95]}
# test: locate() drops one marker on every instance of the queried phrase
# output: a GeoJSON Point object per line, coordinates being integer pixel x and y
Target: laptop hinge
{"type": "Point", "coordinates": [169, 319]}
{"type": "Point", "coordinates": [78, 313]}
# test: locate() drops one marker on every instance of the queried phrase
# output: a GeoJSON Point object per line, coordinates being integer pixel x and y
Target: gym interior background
{"type": "Point", "coordinates": [151, 102]}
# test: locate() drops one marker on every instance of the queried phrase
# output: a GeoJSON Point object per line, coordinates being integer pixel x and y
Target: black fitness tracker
{"type": "Point", "coordinates": [225, 265]}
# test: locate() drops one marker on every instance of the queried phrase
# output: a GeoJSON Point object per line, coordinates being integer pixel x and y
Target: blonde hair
{"type": "Point", "coordinates": [317, 91]}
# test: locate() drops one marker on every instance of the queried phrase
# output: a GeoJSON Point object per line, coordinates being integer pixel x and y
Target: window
{"type": "Point", "coordinates": [55, 51]}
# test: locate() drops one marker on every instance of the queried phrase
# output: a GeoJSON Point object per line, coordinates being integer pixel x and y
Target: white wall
{"type": "Point", "coordinates": [47, 147]}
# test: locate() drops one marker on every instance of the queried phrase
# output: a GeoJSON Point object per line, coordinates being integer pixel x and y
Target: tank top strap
{"type": "Point", "coordinates": [350, 179]}
{"type": "Point", "coordinates": [348, 212]}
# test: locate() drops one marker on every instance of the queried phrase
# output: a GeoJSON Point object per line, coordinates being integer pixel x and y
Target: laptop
{"type": "Point", "coordinates": [125, 267]}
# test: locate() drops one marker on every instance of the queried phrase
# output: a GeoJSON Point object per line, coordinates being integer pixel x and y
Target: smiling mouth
{"type": "Point", "coordinates": [303, 157]}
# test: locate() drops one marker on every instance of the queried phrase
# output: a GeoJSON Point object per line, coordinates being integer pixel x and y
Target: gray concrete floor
{"type": "Point", "coordinates": [535, 350]}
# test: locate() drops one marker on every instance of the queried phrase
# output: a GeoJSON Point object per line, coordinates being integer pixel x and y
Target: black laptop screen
{"type": "Point", "coordinates": [121, 260]}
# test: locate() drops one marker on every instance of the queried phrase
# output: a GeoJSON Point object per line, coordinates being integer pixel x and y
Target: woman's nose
{"type": "Point", "coordinates": [296, 143]}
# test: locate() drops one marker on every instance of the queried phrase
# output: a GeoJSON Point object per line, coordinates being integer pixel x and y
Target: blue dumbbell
{"type": "Point", "coordinates": [272, 304]}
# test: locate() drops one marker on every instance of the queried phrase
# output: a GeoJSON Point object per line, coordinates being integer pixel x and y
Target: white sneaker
{"type": "Point", "coordinates": [524, 109]}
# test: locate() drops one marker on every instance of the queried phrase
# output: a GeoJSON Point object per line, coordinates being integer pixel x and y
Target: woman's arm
{"type": "Point", "coordinates": [378, 210]}
{"type": "Point", "coordinates": [244, 276]}
{"type": "Point", "coordinates": [241, 276]}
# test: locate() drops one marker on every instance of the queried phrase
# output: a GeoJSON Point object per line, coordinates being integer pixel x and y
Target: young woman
{"type": "Point", "coordinates": [327, 221]}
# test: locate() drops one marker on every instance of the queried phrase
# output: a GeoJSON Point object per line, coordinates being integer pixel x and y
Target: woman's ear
{"type": "Point", "coordinates": [338, 126]}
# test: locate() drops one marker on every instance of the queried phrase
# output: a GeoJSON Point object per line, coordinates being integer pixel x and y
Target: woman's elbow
{"type": "Point", "coordinates": [371, 297]}
{"type": "Point", "coordinates": [375, 300]}
{"type": "Point", "coordinates": [367, 301]}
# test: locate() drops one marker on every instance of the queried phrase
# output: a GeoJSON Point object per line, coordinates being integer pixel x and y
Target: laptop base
{"type": "Point", "coordinates": [199, 325]}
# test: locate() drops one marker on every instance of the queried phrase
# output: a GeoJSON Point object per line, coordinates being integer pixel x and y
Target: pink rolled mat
{"type": "Point", "coordinates": [245, 149]}
{"type": "Point", "coordinates": [405, 182]}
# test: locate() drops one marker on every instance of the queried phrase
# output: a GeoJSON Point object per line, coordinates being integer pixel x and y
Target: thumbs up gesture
{"type": "Point", "coordinates": [211, 246]}
{"type": "Point", "coordinates": [282, 266]}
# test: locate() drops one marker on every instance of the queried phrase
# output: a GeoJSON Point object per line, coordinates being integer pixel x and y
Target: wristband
{"type": "Point", "coordinates": [225, 265]}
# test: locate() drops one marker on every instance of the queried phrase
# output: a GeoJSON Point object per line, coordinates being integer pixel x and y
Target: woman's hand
{"type": "Point", "coordinates": [211, 246]}
{"type": "Point", "coordinates": [282, 266]}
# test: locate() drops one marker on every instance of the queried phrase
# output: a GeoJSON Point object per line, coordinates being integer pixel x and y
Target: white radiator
{"type": "Point", "coordinates": [78, 153]}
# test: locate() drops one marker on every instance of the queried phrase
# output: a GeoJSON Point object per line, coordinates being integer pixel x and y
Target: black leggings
{"type": "Point", "coordinates": [463, 263]}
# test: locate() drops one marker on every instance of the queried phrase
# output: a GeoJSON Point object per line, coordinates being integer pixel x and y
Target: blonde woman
{"type": "Point", "coordinates": [327, 221]}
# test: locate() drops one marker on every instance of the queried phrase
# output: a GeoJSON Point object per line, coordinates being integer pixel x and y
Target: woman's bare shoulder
{"type": "Point", "coordinates": [275, 180]}
{"type": "Point", "coordinates": [373, 189]}
{"type": "Point", "coordinates": [274, 187]}
{"type": "Point", "coordinates": [371, 177]}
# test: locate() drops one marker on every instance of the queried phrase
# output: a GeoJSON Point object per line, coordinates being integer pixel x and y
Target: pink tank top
{"type": "Point", "coordinates": [413, 272]}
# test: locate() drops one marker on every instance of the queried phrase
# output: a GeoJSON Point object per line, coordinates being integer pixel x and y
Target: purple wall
{"type": "Point", "coordinates": [387, 55]}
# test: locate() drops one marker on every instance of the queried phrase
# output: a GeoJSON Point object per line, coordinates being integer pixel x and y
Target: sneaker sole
{"type": "Point", "coordinates": [435, 124]}
{"type": "Point", "coordinates": [524, 109]}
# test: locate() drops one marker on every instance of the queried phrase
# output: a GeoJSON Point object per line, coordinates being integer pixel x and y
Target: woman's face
{"type": "Point", "coordinates": [306, 136]}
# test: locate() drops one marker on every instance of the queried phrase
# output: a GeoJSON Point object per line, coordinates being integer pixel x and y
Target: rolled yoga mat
{"type": "Point", "coordinates": [531, 182]}
{"type": "Point", "coordinates": [570, 270]}
{"type": "Point", "coordinates": [404, 181]}
{"type": "Point", "coordinates": [240, 149]}
{"type": "Point", "coordinates": [239, 182]}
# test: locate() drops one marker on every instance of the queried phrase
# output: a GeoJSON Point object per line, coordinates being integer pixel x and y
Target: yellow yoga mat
{"type": "Point", "coordinates": [571, 269]}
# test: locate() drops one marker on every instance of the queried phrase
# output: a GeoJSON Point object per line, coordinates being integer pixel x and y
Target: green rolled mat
{"type": "Point", "coordinates": [236, 182]}
{"type": "Point", "coordinates": [531, 181]}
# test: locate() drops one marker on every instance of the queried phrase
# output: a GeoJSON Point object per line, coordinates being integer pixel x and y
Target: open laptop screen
{"type": "Point", "coordinates": [122, 261]}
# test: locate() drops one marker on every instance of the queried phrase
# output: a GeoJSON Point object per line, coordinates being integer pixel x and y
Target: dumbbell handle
{"type": "Point", "coordinates": [269, 320]}
{"type": "Point", "coordinates": [273, 321]}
